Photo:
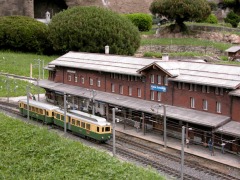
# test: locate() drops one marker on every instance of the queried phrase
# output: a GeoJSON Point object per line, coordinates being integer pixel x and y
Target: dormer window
{"type": "Point", "coordinates": [152, 78]}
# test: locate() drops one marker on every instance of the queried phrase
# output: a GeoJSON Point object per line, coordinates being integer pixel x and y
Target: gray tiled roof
{"type": "Point", "coordinates": [102, 62]}
{"type": "Point", "coordinates": [232, 128]}
{"type": "Point", "coordinates": [227, 76]}
{"type": "Point", "coordinates": [233, 49]}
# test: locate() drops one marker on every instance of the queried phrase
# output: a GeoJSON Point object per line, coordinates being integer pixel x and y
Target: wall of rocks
{"type": "Point", "coordinates": [174, 48]}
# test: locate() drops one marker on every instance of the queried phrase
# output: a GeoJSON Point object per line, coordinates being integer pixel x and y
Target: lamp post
{"type": "Point", "coordinates": [164, 124]}
{"type": "Point", "coordinates": [114, 127]}
{"type": "Point", "coordinates": [65, 113]}
{"type": "Point", "coordinates": [27, 89]}
{"type": "Point", "coordinates": [182, 151]}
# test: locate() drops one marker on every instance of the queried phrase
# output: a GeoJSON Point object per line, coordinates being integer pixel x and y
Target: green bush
{"type": "Point", "coordinates": [213, 5]}
{"type": "Point", "coordinates": [212, 19]}
{"type": "Point", "coordinates": [20, 33]}
{"type": "Point", "coordinates": [142, 21]}
{"type": "Point", "coordinates": [233, 19]}
{"type": "Point", "coordinates": [90, 29]}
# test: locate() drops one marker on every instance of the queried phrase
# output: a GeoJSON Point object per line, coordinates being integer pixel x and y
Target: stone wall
{"type": "Point", "coordinates": [27, 7]}
{"type": "Point", "coordinates": [175, 48]}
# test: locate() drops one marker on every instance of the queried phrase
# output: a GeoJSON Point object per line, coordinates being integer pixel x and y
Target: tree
{"type": "Point", "coordinates": [233, 4]}
{"type": "Point", "coordinates": [181, 10]}
{"type": "Point", "coordinates": [233, 19]}
{"type": "Point", "coordinates": [90, 29]}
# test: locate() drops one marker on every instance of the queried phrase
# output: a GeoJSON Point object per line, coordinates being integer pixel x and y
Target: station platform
{"type": "Point", "coordinates": [228, 158]}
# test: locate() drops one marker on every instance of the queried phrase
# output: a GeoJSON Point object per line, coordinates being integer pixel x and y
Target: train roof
{"type": "Point", "coordinates": [39, 104]}
{"type": "Point", "coordinates": [86, 117]}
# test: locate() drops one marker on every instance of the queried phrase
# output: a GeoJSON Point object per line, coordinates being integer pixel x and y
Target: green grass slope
{"type": "Point", "coordinates": [29, 152]}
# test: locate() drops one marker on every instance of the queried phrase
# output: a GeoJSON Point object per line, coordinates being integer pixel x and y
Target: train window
{"type": "Point", "coordinates": [52, 113]}
{"type": "Point", "coordinates": [36, 110]}
{"type": "Point", "coordinates": [78, 123]}
{"type": "Point", "coordinates": [97, 129]}
{"type": "Point", "coordinates": [47, 113]}
{"type": "Point", "coordinates": [73, 121]}
{"type": "Point", "coordinates": [40, 111]}
{"type": "Point", "coordinates": [88, 127]}
{"type": "Point", "coordinates": [102, 129]}
{"type": "Point", "coordinates": [58, 116]}
{"type": "Point", "coordinates": [107, 129]}
{"type": "Point", "coordinates": [83, 124]}
{"type": "Point", "coordinates": [62, 117]}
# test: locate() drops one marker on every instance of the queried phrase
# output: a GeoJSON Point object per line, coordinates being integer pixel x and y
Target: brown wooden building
{"type": "Point", "coordinates": [199, 95]}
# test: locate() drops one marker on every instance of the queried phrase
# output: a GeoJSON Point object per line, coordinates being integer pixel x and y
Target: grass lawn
{"type": "Point", "coordinates": [19, 64]}
{"type": "Point", "coordinates": [30, 152]}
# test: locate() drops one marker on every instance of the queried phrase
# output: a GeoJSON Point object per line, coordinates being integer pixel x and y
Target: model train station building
{"type": "Point", "coordinates": [200, 95]}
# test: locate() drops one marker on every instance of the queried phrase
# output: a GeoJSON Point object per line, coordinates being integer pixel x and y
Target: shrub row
{"type": "Point", "coordinates": [142, 21]}
{"type": "Point", "coordinates": [20, 33]}
{"type": "Point", "coordinates": [86, 29]}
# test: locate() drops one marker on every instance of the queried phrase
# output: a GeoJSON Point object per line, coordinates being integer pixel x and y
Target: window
{"type": "Point", "coordinates": [107, 129]}
{"type": "Point", "coordinates": [128, 78]}
{"type": "Point", "coordinates": [88, 126]}
{"type": "Point", "coordinates": [165, 80]}
{"type": "Point", "coordinates": [98, 83]}
{"type": "Point", "coordinates": [208, 89]}
{"type": "Point", "coordinates": [69, 77]}
{"type": "Point", "coordinates": [159, 79]}
{"type": "Point", "coordinates": [112, 88]}
{"type": "Point", "coordinates": [136, 78]}
{"type": "Point", "coordinates": [216, 90]}
{"type": "Point", "coordinates": [179, 85]}
{"type": "Point", "coordinates": [205, 104]}
{"type": "Point", "coordinates": [221, 91]}
{"type": "Point", "coordinates": [102, 129]}
{"type": "Point", "coordinates": [190, 87]}
{"type": "Point", "coordinates": [82, 79]}
{"type": "Point", "coordinates": [75, 78]}
{"type": "Point", "coordinates": [203, 89]}
{"type": "Point", "coordinates": [218, 107]}
{"type": "Point", "coordinates": [152, 95]}
{"type": "Point", "coordinates": [195, 87]}
{"type": "Point", "coordinates": [73, 121]}
{"type": "Point", "coordinates": [78, 123]}
{"type": "Point", "coordinates": [139, 92]}
{"type": "Point", "coordinates": [192, 102]}
{"type": "Point", "coordinates": [152, 78]}
{"type": "Point", "coordinates": [183, 85]}
{"type": "Point", "coordinates": [111, 75]}
{"type": "Point", "coordinates": [97, 129]}
{"type": "Point", "coordinates": [91, 81]}
{"type": "Point", "coordinates": [83, 124]}
{"type": "Point", "coordinates": [129, 91]}
{"type": "Point", "coordinates": [132, 78]}
{"type": "Point", "coordinates": [159, 96]}
{"type": "Point", "coordinates": [120, 76]}
{"type": "Point", "coordinates": [121, 89]}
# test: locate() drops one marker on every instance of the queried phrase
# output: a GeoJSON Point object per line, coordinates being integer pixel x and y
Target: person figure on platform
{"type": "Point", "coordinates": [210, 144]}
{"type": "Point", "coordinates": [222, 149]}
{"type": "Point", "coordinates": [187, 142]}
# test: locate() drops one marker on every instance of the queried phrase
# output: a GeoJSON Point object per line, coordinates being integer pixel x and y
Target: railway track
{"type": "Point", "coordinates": [135, 156]}
{"type": "Point", "coordinates": [157, 161]}
{"type": "Point", "coordinates": [148, 156]}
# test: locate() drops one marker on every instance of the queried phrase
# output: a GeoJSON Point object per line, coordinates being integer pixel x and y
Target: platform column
{"type": "Point", "coordinates": [213, 135]}
{"type": "Point", "coordinates": [143, 123]}
{"type": "Point", "coordinates": [107, 112]}
{"type": "Point", "coordinates": [186, 130]}
{"type": "Point", "coordinates": [124, 116]}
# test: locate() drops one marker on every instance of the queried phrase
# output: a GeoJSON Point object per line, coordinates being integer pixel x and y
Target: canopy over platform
{"type": "Point", "coordinates": [232, 128]}
{"type": "Point", "coordinates": [182, 114]}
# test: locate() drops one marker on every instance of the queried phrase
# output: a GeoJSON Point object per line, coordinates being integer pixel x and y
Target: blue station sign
{"type": "Point", "coordinates": [158, 88]}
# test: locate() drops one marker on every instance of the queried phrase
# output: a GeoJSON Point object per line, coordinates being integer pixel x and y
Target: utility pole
{"type": "Point", "coordinates": [65, 114]}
